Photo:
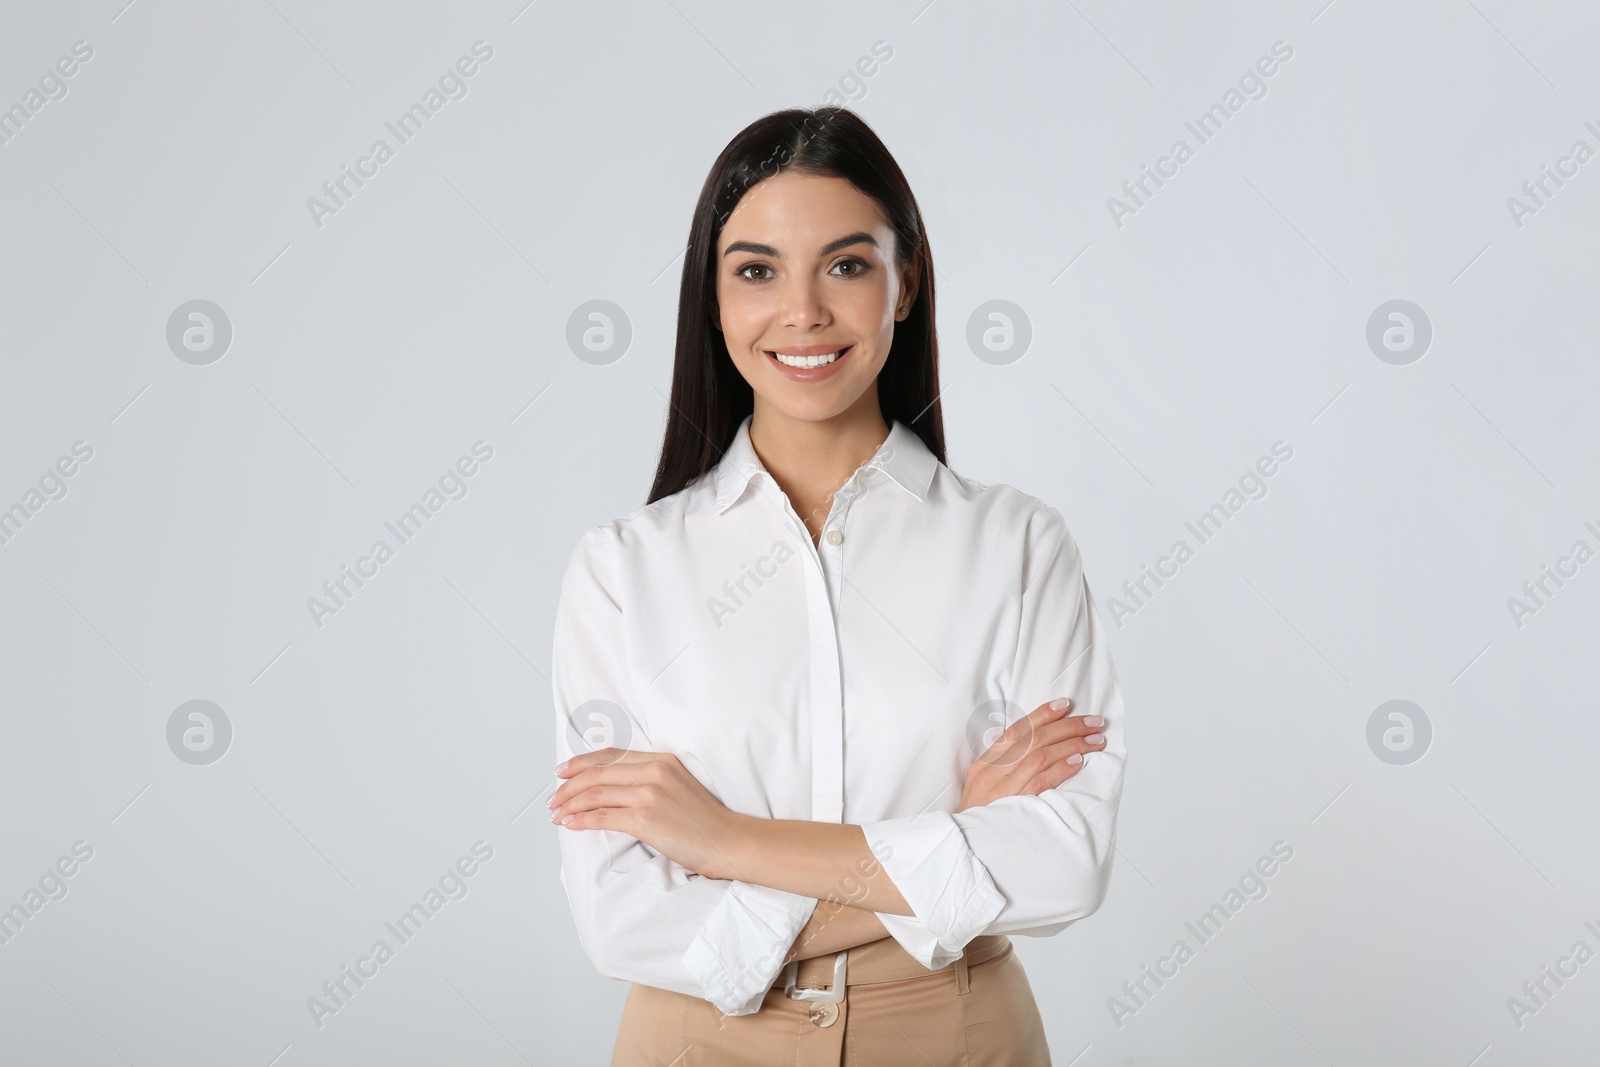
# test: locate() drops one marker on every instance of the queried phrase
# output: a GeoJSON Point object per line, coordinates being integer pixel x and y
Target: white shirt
{"type": "Point", "coordinates": [847, 681]}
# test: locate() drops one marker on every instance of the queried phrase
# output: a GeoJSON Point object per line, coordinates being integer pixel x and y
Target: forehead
{"type": "Point", "coordinates": [800, 212]}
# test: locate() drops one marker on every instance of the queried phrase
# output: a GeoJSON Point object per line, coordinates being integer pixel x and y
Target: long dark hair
{"type": "Point", "coordinates": [709, 396]}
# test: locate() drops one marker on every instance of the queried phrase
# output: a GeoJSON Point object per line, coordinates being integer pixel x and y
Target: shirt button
{"type": "Point", "coordinates": [834, 537]}
{"type": "Point", "coordinates": [824, 1014]}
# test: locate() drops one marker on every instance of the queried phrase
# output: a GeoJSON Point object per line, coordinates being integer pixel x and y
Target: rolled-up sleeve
{"type": "Point", "coordinates": [1022, 864]}
{"type": "Point", "coordinates": [640, 916]}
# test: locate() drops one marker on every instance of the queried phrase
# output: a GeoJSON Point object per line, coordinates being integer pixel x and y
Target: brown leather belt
{"type": "Point", "coordinates": [879, 961]}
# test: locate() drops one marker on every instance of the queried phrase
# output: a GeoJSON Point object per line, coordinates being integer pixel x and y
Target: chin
{"type": "Point", "coordinates": [809, 409]}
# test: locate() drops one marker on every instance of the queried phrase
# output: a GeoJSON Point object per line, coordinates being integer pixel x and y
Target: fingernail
{"type": "Point", "coordinates": [561, 766]}
{"type": "Point", "coordinates": [568, 819]}
{"type": "Point", "coordinates": [1095, 739]}
{"type": "Point", "coordinates": [1075, 759]}
{"type": "Point", "coordinates": [1060, 702]}
{"type": "Point", "coordinates": [551, 802]}
{"type": "Point", "coordinates": [554, 815]}
{"type": "Point", "coordinates": [1093, 720]}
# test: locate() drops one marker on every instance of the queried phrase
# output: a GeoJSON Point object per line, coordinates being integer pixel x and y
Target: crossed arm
{"type": "Point", "coordinates": [805, 857]}
{"type": "Point", "coordinates": [687, 896]}
{"type": "Point", "coordinates": [650, 796]}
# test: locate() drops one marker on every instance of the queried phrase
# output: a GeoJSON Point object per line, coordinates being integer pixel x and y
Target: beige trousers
{"type": "Point", "coordinates": [978, 1015]}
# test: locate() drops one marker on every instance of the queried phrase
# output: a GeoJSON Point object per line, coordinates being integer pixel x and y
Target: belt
{"type": "Point", "coordinates": [824, 978]}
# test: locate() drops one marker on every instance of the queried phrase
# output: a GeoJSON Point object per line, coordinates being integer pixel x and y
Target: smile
{"type": "Point", "coordinates": [809, 363]}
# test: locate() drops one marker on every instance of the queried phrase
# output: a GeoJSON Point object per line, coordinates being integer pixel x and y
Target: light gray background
{"type": "Point", "coordinates": [1167, 355]}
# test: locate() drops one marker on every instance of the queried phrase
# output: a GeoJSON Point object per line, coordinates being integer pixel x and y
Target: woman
{"type": "Point", "coordinates": [785, 813]}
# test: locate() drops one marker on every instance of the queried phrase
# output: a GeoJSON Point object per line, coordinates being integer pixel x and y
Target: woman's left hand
{"type": "Point", "coordinates": [650, 796]}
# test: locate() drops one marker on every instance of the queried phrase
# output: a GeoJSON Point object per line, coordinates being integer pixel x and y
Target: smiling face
{"type": "Point", "coordinates": [808, 292]}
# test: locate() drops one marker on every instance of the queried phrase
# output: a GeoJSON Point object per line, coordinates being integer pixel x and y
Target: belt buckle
{"type": "Point", "coordinates": [832, 995]}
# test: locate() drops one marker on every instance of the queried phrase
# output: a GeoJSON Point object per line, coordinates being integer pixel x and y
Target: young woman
{"type": "Point", "coordinates": [802, 804]}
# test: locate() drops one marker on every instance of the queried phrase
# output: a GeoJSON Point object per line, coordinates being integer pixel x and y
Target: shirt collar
{"type": "Point", "coordinates": [903, 457]}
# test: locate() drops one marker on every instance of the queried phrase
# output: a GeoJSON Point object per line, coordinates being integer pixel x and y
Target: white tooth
{"type": "Point", "coordinates": [807, 361]}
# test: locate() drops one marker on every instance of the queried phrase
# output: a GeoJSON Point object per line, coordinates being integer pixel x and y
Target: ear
{"type": "Point", "coordinates": [910, 283]}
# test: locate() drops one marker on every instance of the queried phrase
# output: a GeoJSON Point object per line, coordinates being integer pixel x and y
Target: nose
{"type": "Point", "coordinates": [803, 307]}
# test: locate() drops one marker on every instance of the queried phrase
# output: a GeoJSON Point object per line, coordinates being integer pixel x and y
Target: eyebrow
{"type": "Point", "coordinates": [831, 246]}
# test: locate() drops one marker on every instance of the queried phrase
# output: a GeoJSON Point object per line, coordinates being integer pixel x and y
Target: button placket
{"type": "Point", "coordinates": [833, 537]}
{"type": "Point", "coordinates": [828, 726]}
{"type": "Point", "coordinates": [826, 709]}
{"type": "Point", "coordinates": [827, 702]}
{"type": "Point", "coordinates": [826, 672]}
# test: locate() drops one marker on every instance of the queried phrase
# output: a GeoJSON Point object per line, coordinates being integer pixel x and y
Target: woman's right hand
{"type": "Point", "coordinates": [1035, 753]}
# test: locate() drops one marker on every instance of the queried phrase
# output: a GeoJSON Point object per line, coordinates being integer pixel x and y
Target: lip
{"type": "Point", "coordinates": [807, 374]}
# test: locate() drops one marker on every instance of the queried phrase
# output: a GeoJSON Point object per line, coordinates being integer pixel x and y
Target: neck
{"type": "Point", "coordinates": [812, 459]}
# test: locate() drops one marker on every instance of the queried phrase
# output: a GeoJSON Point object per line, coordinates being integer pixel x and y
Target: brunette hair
{"type": "Point", "coordinates": [709, 397]}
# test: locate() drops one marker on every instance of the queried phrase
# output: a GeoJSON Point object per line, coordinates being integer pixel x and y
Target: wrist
{"type": "Point", "coordinates": [733, 841]}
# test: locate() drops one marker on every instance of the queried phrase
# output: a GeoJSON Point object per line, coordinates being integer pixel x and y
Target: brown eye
{"type": "Point", "coordinates": [751, 266]}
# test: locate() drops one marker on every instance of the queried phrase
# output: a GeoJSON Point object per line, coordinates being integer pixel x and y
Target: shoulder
{"type": "Point", "coordinates": [1008, 515]}
{"type": "Point", "coordinates": [997, 500]}
{"type": "Point", "coordinates": [644, 528]}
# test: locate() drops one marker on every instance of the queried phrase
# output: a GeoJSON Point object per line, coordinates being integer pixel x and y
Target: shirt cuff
{"type": "Point", "coordinates": [914, 937]}
{"type": "Point", "coordinates": [948, 888]}
{"type": "Point", "coordinates": [738, 953]}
